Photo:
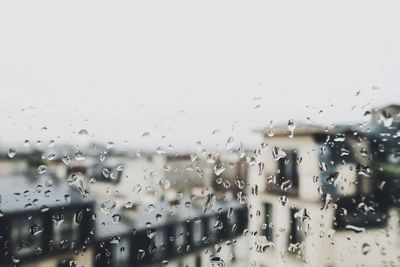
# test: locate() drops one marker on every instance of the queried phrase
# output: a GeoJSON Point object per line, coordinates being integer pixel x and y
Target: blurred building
{"type": "Point", "coordinates": [177, 235]}
{"type": "Point", "coordinates": [316, 196]}
{"type": "Point", "coordinates": [114, 208]}
{"type": "Point", "coordinates": [314, 201]}
{"type": "Point", "coordinates": [385, 151]}
{"type": "Point", "coordinates": [44, 222]}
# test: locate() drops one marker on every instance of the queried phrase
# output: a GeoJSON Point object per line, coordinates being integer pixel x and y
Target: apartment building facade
{"type": "Point", "coordinates": [313, 201]}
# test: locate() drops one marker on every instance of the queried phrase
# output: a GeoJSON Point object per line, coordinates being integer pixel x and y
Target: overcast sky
{"type": "Point", "coordinates": [185, 68]}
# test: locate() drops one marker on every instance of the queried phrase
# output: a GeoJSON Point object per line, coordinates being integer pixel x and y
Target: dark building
{"type": "Point", "coordinates": [41, 218]}
{"type": "Point", "coordinates": [155, 233]}
{"type": "Point", "coordinates": [385, 151]}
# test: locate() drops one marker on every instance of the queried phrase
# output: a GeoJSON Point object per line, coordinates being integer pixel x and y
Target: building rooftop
{"type": "Point", "coordinates": [20, 192]}
{"type": "Point", "coordinates": [304, 129]}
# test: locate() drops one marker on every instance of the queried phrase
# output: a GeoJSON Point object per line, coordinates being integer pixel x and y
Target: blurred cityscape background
{"type": "Point", "coordinates": [320, 196]}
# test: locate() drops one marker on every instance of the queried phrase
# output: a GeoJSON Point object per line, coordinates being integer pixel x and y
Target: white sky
{"type": "Point", "coordinates": [184, 68]}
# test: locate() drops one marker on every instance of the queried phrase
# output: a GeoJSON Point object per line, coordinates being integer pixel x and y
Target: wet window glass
{"type": "Point", "coordinates": [200, 133]}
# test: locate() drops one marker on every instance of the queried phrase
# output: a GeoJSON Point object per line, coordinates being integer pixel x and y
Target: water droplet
{"type": "Point", "coordinates": [363, 152]}
{"type": "Point", "coordinates": [179, 195]}
{"type": "Point", "coordinates": [386, 118]}
{"type": "Point", "coordinates": [211, 159]}
{"type": "Point", "coordinates": [260, 168]}
{"type": "Point", "coordinates": [15, 260]}
{"type": "Point", "coordinates": [73, 177]}
{"type": "Point", "coordinates": [188, 204]}
{"type": "Point", "coordinates": [193, 157]}
{"type": "Point", "coordinates": [106, 173]}
{"type": "Point", "coordinates": [199, 146]}
{"type": "Point", "coordinates": [164, 184]}
{"type": "Point", "coordinates": [215, 131]}
{"type": "Point", "coordinates": [102, 156]}
{"type": "Point", "coordinates": [82, 187]}
{"type": "Point", "coordinates": [344, 152]}
{"type": "Point", "coordinates": [332, 178]}
{"type": "Point", "coordinates": [79, 155]}
{"type": "Point", "coordinates": [116, 218]}
{"type": "Point", "coordinates": [11, 153]}
{"type": "Point", "coordinates": [218, 225]}
{"type": "Point", "coordinates": [367, 114]}
{"type": "Point", "coordinates": [199, 172]}
{"type": "Point", "coordinates": [217, 262]}
{"type": "Point", "coordinates": [230, 143]}
{"type": "Point", "coordinates": [67, 198]}
{"type": "Point", "coordinates": [57, 218]}
{"type": "Point", "coordinates": [286, 185]}
{"type": "Point", "coordinates": [83, 132]}
{"type": "Point", "coordinates": [354, 228]}
{"type": "Point", "coordinates": [51, 156]}
{"type": "Point", "coordinates": [27, 143]}
{"type": "Point", "coordinates": [109, 145]}
{"type": "Point", "coordinates": [327, 200]}
{"type": "Point", "coordinates": [240, 183]}
{"type": "Point", "coordinates": [322, 166]}
{"type": "Point", "coordinates": [160, 150]}
{"type": "Point", "coordinates": [69, 263]}
{"type": "Point", "coordinates": [42, 169]}
{"type": "Point", "coordinates": [381, 185]}
{"type": "Point", "coordinates": [150, 208]}
{"type": "Point", "coordinates": [363, 170]}
{"type": "Point", "coordinates": [283, 200]}
{"type": "Point", "coordinates": [140, 255]}
{"type": "Point", "coordinates": [210, 201]}
{"type": "Point", "coordinates": [115, 240]}
{"type": "Point", "coordinates": [278, 153]}
{"type": "Point", "coordinates": [120, 167]}
{"type": "Point", "coordinates": [35, 230]}
{"type": "Point", "coordinates": [303, 215]}
{"type": "Point", "coordinates": [44, 208]}
{"type": "Point", "coordinates": [340, 138]}
{"type": "Point", "coordinates": [170, 147]}
{"type": "Point", "coordinates": [219, 168]}
{"type": "Point", "coordinates": [227, 184]}
{"type": "Point", "coordinates": [254, 189]}
{"type": "Point", "coordinates": [66, 160]}
{"type": "Point", "coordinates": [291, 126]}
{"type": "Point", "coordinates": [49, 182]}
{"type": "Point", "coordinates": [108, 206]}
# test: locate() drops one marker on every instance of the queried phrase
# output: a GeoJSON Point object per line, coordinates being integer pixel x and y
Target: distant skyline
{"type": "Point", "coordinates": [181, 69]}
